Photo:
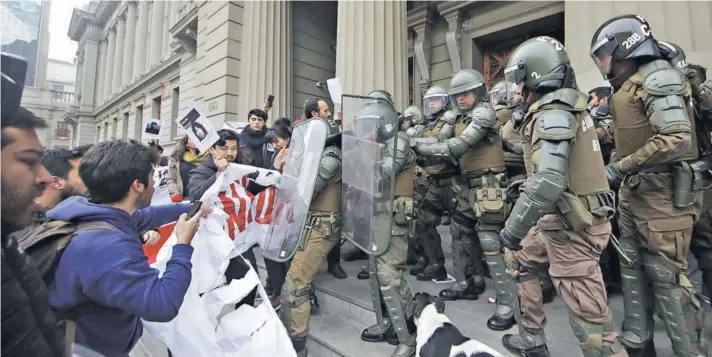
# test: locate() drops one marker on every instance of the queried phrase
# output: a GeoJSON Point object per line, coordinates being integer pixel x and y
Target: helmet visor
{"type": "Point", "coordinates": [434, 104]}
{"type": "Point", "coordinates": [366, 125]}
{"type": "Point", "coordinates": [513, 76]}
{"type": "Point", "coordinates": [496, 96]}
{"type": "Point", "coordinates": [602, 54]}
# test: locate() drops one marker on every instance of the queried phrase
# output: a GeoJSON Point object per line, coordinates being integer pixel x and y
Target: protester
{"type": "Point", "coordinates": [28, 324]}
{"type": "Point", "coordinates": [282, 121]}
{"type": "Point", "coordinates": [185, 158]}
{"type": "Point", "coordinates": [252, 140]}
{"type": "Point", "coordinates": [63, 165]}
{"type": "Point", "coordinates": [224, 152]}
{"type": "Point", "coordinates": [103, 281]}
{"type": "Point", "coordinates": [279, 136]}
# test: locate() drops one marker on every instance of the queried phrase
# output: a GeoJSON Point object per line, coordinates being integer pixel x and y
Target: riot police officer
{"type": "Point", "coordinates": [374, 123]}
{"type": "Point", "coordinates": [566, 202]}
{"type": "Point", "coordinates": [480, 196]}
{"type": "Point", "coordinates": [412, 123]}
{"type": "Point", "coordinates": [435, 184]}
{"type": "Point", "coordinates": [655, 144]}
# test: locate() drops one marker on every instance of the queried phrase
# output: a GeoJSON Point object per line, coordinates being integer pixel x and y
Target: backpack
{"type": "Point", "coordinates": [44, 245]}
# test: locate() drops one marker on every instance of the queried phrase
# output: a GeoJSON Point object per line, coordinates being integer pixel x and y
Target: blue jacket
{"type": "Point", "coordinates": [105, 277]}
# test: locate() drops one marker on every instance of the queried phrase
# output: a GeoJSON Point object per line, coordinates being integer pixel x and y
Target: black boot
{"type": "Point", "coordinates": [433, 271]}
{"type": "Point", "coordinates": [497, 323]}
{"type": "Point", "coordinates": [646, 351]}
{"type": "Point", "coordinates": [337, 271]}
{"type": "Point", "coordinates": [514, 344]}
{"type": "Point", "coordinates": [363, 274]}
{"type": "Point", "coordinates": [300, 345]}
{"type": "Point", "coordinates": [354, 254]}
{"type": "Point", "coordinates": [420, 265]}
{"type": "Point", "coordinates": [378, 333]}
{"type": "Point", "coordinates": [471, 292]}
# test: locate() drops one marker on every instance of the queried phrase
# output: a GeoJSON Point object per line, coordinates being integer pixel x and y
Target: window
{"type": "Point", "coordinates": [62, 125]}
{"type": "Point", "coordinates": [114, 127]}
{"type": "Point", "coordinates": [98, 135]}
{"type": "Point", "coordinates": [175, 99]}
{"type": "Point", "coordinates": [156, 108]}
{"type": "Point", "coordinates": [125, 127]}
{"type": "Point", "coordinates": [138, 123]}
{"type": "Point", "coordinates": [106, 131]}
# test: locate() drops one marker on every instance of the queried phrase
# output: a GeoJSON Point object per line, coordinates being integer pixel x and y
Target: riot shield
{"type": "Point", "coordinates": [367, 142]}
{"type": "Point", "coordinates": [294, 191]}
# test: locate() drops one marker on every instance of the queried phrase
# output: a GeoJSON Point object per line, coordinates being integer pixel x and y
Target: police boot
{"type": "Point", "coordinates": [469, 289]}
{"type": "Point", "coordinates": [433, 271]}
{"type": "Point", "coordinates": [530, 343]}
{"type": "Point", "coordinates": [646, 351]}
{"type": "Point", "coordinates": [404, 350]}
{"type": "Point", "coordinates": [380, 333]}
{"type": "Point", "coordinates": [300, 345]}
{"type": "Point", "coordinates": [420, 264]}
{"type": "Point", "coordinates": [354, 254]}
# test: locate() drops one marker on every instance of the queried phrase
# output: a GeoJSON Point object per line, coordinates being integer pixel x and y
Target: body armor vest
{"type": "Point", "coordinates": [404, 183]}
{"type": "Point", "coordinates": [504, 114]}
{"type": "Point", "coordinates": [631, 127]}
{"type": "Point", "coordinates": [512, 160]}
{"type": "Point", "coordinates": [435, 166]}
{"type": "Point", "coordinates": [485, 156]}
{"type": "Point", "coordinates": [586, 170]}
{"type": "Point", "coordinates": [329, 200]}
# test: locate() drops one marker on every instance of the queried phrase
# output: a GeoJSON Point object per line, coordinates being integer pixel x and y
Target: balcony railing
{"type": "Point", "coordinates": [62, 97]}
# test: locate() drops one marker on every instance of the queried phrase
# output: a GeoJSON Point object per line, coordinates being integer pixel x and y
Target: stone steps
{"type": "Point", "coordinates": [346, 309]}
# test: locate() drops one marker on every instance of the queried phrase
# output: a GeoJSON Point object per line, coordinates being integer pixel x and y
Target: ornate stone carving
{"type": "Point", "coordinates": [452, 38]}
{"type": "Point", "coordinates": [422, 53]}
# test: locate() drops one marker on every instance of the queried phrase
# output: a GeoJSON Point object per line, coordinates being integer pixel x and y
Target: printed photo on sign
{"type": "Point", "coordinates": [152, 130]}
{"type": "Point", "coordinates": [199, 129]}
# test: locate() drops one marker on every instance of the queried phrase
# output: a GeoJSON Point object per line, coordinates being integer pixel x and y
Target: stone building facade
{"type": "Point", "coordinates": [155, 59]}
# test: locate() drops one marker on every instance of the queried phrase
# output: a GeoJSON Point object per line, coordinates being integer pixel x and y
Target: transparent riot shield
{"type": "Point", "coordinates": [367, 142]}
{"type": "Point", "coordinates": [294, 192]}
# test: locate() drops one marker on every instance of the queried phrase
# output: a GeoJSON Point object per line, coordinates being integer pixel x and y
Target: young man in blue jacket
{"type": "Point", "coordinates": [103, 280]}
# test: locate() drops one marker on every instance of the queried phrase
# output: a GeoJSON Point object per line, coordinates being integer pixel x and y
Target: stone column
{"type": "Point", "coordinates": [128, 75]}
{"type": "Point", "coordinates": [89, 71]}
{"type": "Point", "coordinates": [266, 68]}
{"type": "Point", "coordinates": [119, 53]}
{"type": "Point", "coordinates": [372, 54]}
{"type": "Point", "coordinates": [156, 46]}
{"type": "Point", "coordinates": [139, 60]}
{"type": "Point", "coordinates": [167, 22]}
{"type": "Point", "coordinates": [102, 72]}
{"type": "Point", "coordinates": [109, 69]}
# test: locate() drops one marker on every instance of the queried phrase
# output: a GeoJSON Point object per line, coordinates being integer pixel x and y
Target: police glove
{"type": "Point", "coordinates": [514, 188]}
{"type": "Point", "coordinates": [614, 174]}
{"type": "Point", "coordinates": [509, 241]}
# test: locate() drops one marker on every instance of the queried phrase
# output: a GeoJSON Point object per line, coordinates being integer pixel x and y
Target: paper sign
{"type": "Point", "coordinates": [199, 129]}
{"type": "Point", "coordinates": [152, 129]}
{"type": "Point", "coordinates": [334, 90]}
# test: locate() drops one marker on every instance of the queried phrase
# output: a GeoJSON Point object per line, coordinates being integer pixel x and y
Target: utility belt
{"type": "Point", "coordinates": [579, 212]}
{"type": "Point", "coordinates": [442, 179]}
{"type": "Point", "coordinates": [689, 178]}
{"type": "Point", "coordinates": [327, 222]}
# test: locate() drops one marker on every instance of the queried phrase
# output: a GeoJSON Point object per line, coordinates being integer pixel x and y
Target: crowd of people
{"type": "Point", "coordinates": [549, 192]}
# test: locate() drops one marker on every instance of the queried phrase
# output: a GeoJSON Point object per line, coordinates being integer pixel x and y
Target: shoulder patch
{"type": "Point", "coordinates": [449, 117]}
{"type": "Point", "coordinates": [484, 116]}
{"type": "Point", "coordinates": [556, 124]}
{"type": "Point", "coordinates": [665, 81]}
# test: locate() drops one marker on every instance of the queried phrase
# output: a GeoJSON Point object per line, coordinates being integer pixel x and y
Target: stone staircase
{"type": "Point", "coordinates": [346, 309]}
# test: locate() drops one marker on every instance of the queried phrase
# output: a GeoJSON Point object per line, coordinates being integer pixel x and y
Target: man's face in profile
{"type": "Point", "coordinates": [23, 178]}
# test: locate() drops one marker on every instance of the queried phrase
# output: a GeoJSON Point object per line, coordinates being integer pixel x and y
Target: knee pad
{"type": "Point", "coordinates": [294, 295]}
{"type": "Point", "coordinates": [490, 242]}
{"type": "Point", "coordinates": [387, 279]}
{"type": "Point", "coordinates": [591, 338]}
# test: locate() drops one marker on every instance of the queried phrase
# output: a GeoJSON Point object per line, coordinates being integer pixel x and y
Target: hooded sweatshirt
{"type": "Point", "coordinates": [104, 276]}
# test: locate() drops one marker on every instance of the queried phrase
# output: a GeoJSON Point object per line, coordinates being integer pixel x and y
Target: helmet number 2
{"type": "Point", "coordinates": [632, 40]}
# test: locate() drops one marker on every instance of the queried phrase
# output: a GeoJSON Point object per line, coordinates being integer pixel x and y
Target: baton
{"type": "Point", "coordinates": [621, 253]}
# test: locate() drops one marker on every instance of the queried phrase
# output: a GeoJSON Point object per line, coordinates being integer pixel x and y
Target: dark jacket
{"type": "Point", "coordinates": [204, 175]}
{"type": "Point", "coordinates": [29, 328]}
{"type": "Point", "coordinates": [260, 152]}
{"type": "Point", "coordinates": [104, 277]}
